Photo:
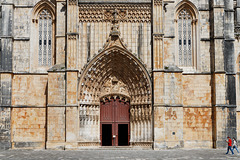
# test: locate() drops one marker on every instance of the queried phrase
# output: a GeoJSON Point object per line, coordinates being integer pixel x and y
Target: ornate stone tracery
{"type": "Point", "coordinates": [103, 12]}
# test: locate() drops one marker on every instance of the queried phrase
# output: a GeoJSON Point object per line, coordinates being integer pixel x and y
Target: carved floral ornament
{"type": "Point", "coordinates": [126, 12]}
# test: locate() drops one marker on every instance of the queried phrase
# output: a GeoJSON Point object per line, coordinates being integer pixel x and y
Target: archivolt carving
{"type": "Point", "coordinates": [141, 113]}
{"type": "Point", "coordinates": [88, 113]}
{"type": "Point", "coordinates": [126, 12]}
{"type": "Point", "coordinates": [88, 122]}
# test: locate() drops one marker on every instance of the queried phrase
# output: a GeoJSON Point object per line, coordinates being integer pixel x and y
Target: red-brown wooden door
{"type": "Point", "coordinates": [114, 122]}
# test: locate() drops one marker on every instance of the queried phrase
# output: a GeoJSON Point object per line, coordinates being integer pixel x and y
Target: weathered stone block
{"type": "Point", "coordinates": [56, 88]}
{"type": "Point", "coordinates": [72, 124]}
{"type": "Point", "coordinates": [159, 88]}
{"type": "Point", "coordinates": [25, 86]}
{"type": "Point", "coordinates": [173, 88]}
{"type": "Point", "coordinates": [195, 93]}
{"type": "Point", "coordinates": [29, 125]}
{"type": "Point", "coordinates": [72, 80]}
{"type": "Point", "coordinates": [197, 127]}
{"type": "Point", "coordinates": [5, 128]}
{"type": "Point", "coordinates": [56, 124]}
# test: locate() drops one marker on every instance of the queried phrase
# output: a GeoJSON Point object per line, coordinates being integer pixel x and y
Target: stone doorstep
{"type": "Point", "coordinates": [116, 148]}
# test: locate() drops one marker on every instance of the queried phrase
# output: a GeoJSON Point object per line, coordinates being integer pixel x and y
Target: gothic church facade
{"type": "Point", "coordinates": [148, 74]}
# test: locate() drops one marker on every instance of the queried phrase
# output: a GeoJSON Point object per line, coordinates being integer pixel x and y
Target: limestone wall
{"type": "Point", "coordinates": [196, 90]}
{"type": "Point", "coordinates": [29, 90]}
{"type": "Point", "coordinates": [29, 113]}
{"type": "Point", "coordinates": [28, 128]}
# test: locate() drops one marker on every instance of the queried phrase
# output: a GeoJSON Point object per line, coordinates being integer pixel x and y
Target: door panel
{"type": "Point", "coordinates": [107, 134]}
{"type": "Point", "coordinates": [123, 135]}
{"type": "Point", "coordinates": [116, 113]}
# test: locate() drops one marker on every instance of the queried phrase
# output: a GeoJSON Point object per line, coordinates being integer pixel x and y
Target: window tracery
{"type": "Point", "coordinates": [45, 38]}
{"type": "Point", "coordinates": [185, 38]}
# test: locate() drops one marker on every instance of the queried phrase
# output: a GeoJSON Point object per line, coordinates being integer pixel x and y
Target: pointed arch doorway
{"type": "Point", "coordinates": [115, 72]}
{"type": "Point", "coordinates": [114, 121]}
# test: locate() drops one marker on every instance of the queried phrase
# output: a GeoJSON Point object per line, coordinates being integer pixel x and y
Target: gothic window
{"type": "Point", "coordinates": [45, 38]}
{"type": "Point", "coordinates": [185, 38]}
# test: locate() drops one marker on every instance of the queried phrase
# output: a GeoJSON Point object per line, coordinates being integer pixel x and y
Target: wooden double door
{"type": "Point", "coordinates": [114, 122]}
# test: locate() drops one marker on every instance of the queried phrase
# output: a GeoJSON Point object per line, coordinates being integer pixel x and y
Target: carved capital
{"type": "Point", "coordinates": [157, 2]}
{"type": "Point", "coordinates": [72, 37]}
{"type": "Point", "coordinates": [72, 2]}
{"type": "Point", "coordinates": [158, 36]}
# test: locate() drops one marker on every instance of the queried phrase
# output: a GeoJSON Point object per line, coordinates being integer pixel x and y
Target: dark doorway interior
{"type": "Point", "coordinates": [106, 134]}
{"type": "Point", "coordinates": [123, 134]}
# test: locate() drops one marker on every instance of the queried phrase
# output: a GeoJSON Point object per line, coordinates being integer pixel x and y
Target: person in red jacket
{"type": "Point", "coordinates": [229, 141]}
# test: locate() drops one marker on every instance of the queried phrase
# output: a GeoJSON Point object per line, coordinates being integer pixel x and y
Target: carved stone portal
{"type": "Point", "coordinates": [115, 71]}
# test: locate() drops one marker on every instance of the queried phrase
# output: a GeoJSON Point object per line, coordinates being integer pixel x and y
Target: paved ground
{"type": "Point", "coordinates": [173, 154]}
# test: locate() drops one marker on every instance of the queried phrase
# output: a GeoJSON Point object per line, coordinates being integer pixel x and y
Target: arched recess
{"type": "Point", "coordinates": [43, 14]}
{"type": "Point", "coordinates": [43, 4]}
{"type": "Point", "coordinates": [190, 10]}
{"type": "Point", "coordinates": [115, 71]}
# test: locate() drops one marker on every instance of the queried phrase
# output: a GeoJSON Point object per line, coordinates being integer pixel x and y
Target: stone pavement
{"type": "Point", "coordinates": [171, 154]}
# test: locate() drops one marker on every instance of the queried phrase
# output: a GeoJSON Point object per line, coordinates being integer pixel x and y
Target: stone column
{"type": "Point", "coordinates": [56, 110]}
{"type": "Point", "coordinates": [60, 31]}
{"type": "Point", "coordinates": [72, 33]}
{"type": "Point", "coordinates": [237, 34]}
{"type": "Point", "coordinates": [5, 110]}
{"type": "Point", "coordinates": [223, 76]}
{"type": "Point", "coordinates": [157, 22]}
{"type": "Point", "coordinates": [238, 13]}
{"type": "Point", "coordinates": [6, 43]}
{"type": "Point", "coordinates": [229, 67]}
{"type": "Point", "coordinates": [72, 119]}
{"type": "Point", "coordinates": [158, 74]}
